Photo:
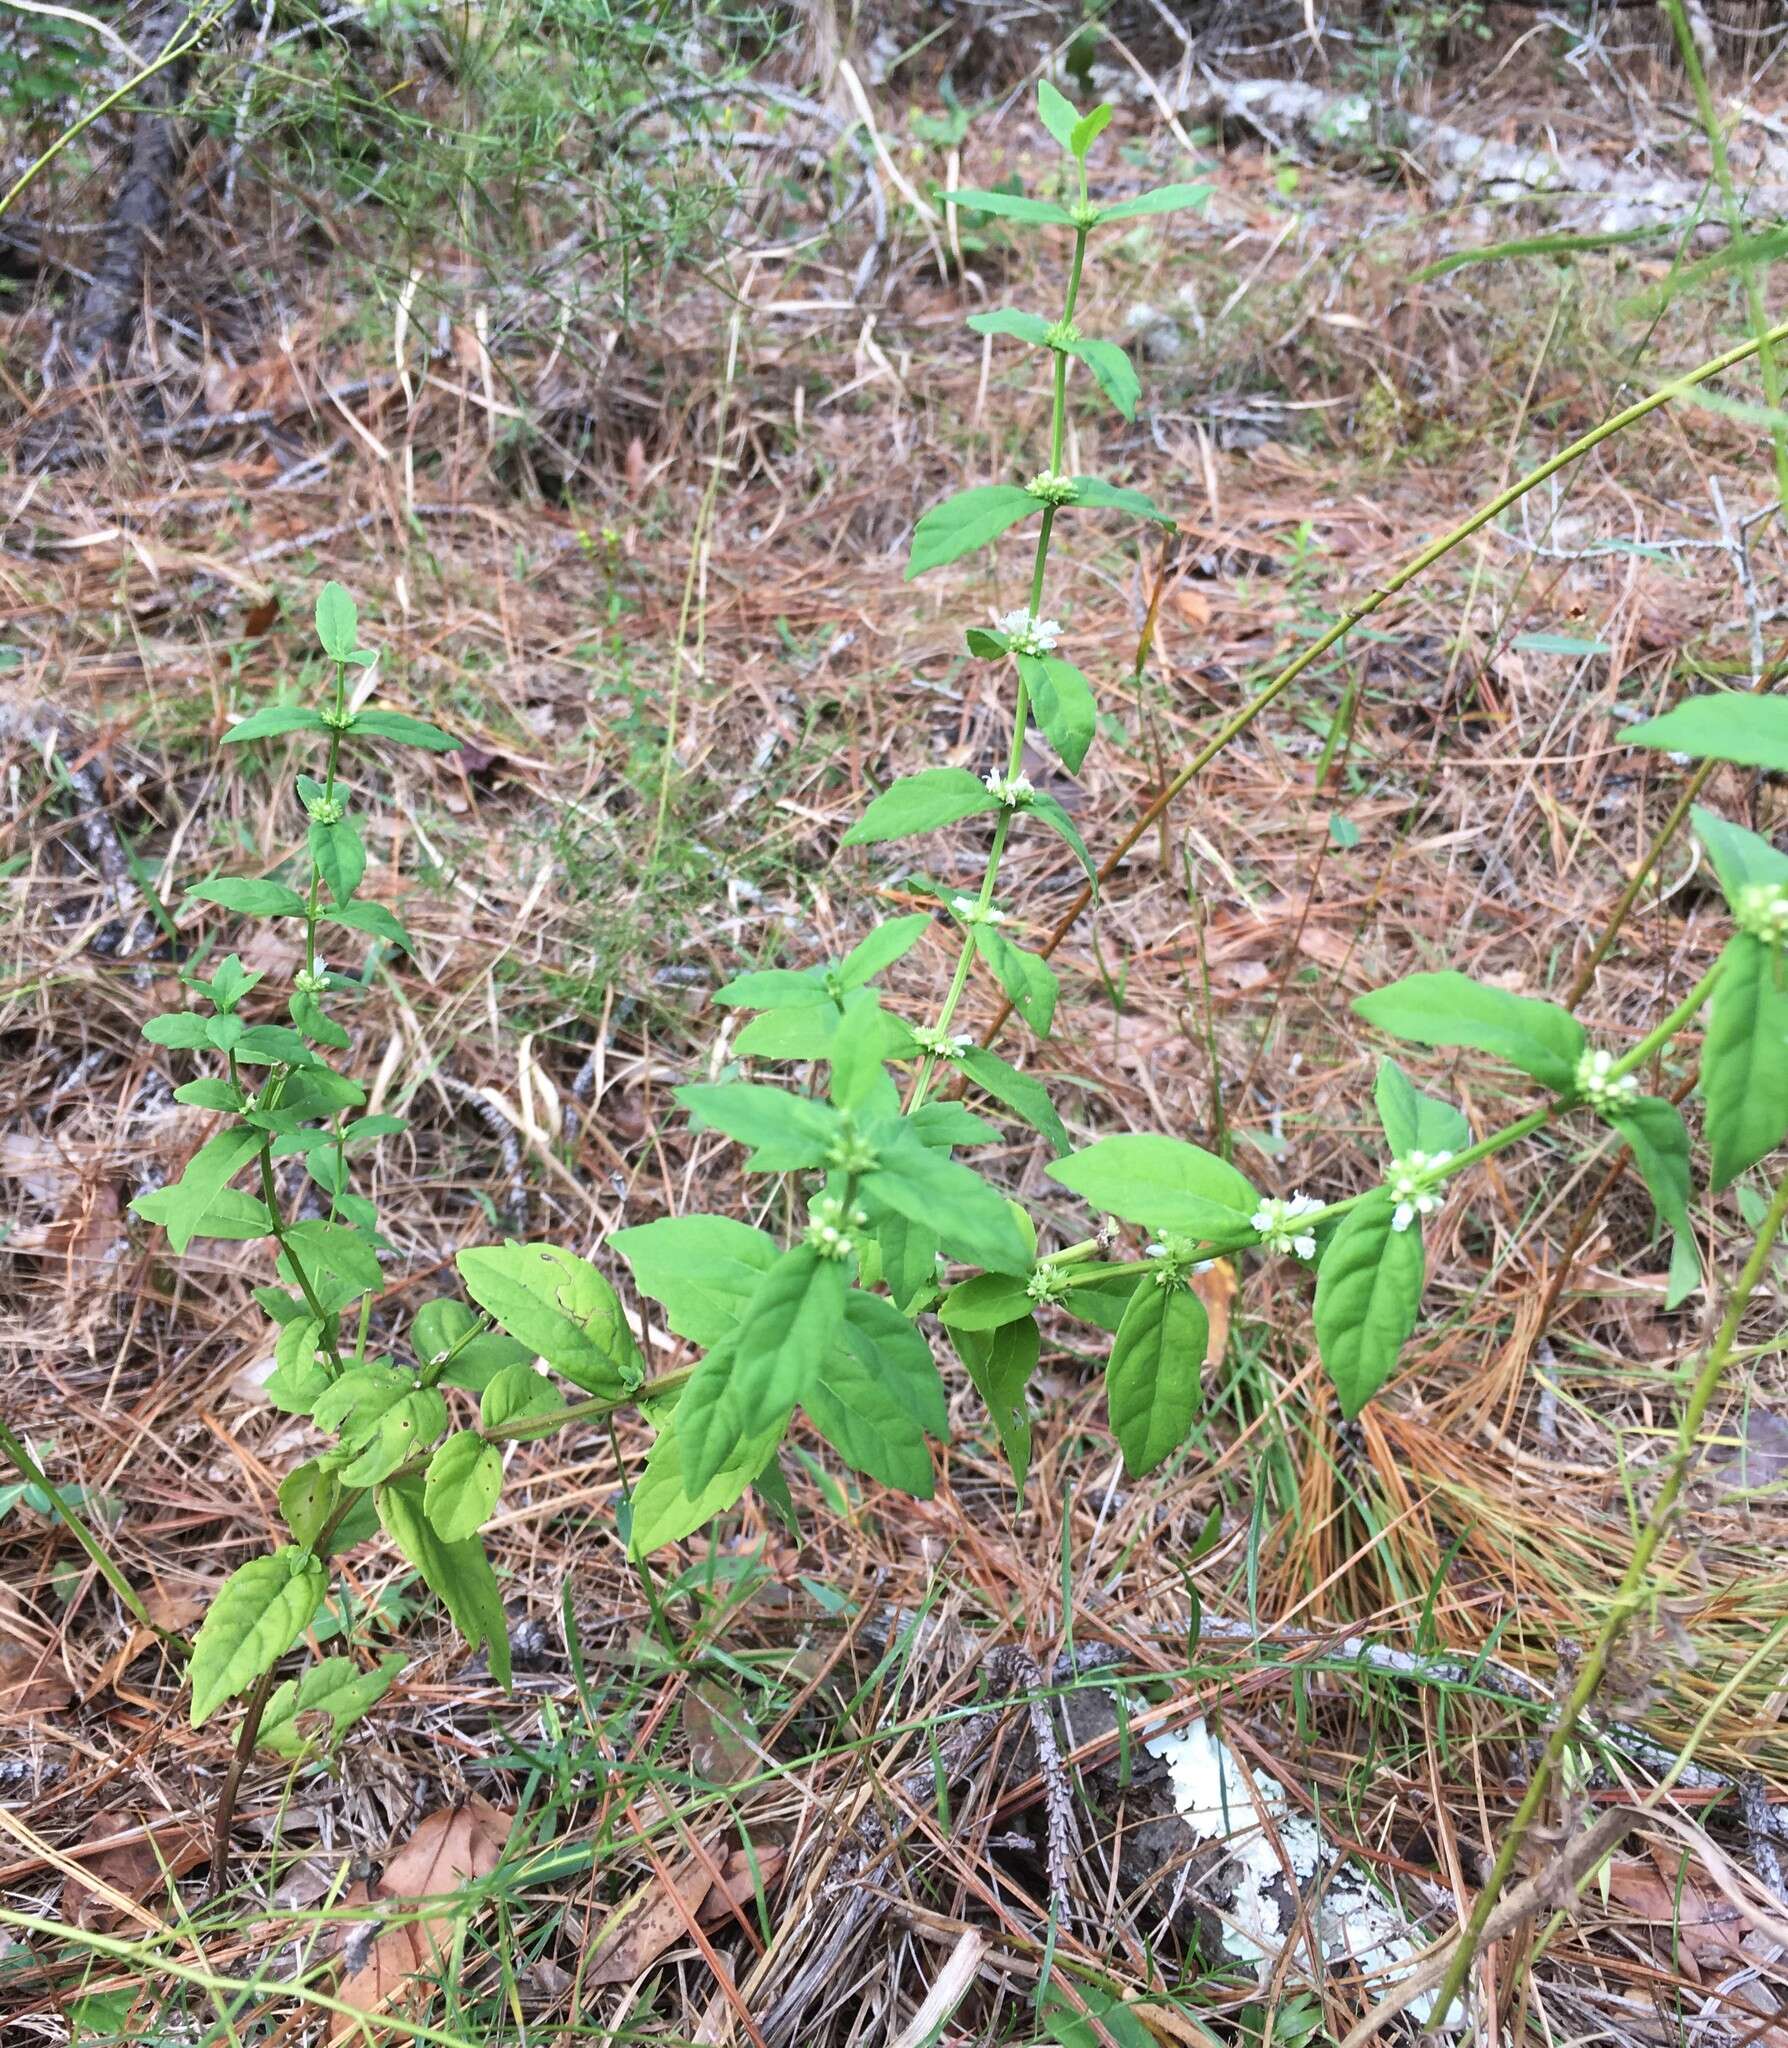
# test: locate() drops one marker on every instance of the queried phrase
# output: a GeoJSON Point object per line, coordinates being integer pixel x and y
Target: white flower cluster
{"type": "Point", "coordinates": [312, 981]}
{"type": "Point", "coordinates": [1277, 1222]}
{"type": "Point", "coordinates": [1762, 910]}
{"type": "Point", "coordinates": [1598, 1083]}
{"type": "Point", "coordinates": [829, 1231]}
{"type": "Point", "coordinates": [1014, 791]}
{"type": "Point", "coordinates": [942, 1045]}
{"type": "Point", "coordinates": [1053, 488]}
{"type": "Point", "coordinates": [1412, 1186]}
{"type": "Point", "coordinates": [1024, 634]}
{"type": "Point", "coordinates": [969, 909]}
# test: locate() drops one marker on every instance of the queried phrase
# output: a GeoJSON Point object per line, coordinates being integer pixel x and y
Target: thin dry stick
{"type": "Point", "coordinates": [1628, 1599]}
{"type": "Point", "coordinates": [1416, 566]}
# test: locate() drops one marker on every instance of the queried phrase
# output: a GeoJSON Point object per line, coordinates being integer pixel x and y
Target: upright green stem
{"type": "Point", "coordinates": [1629, 1597]}
{"type": "Point", "coordinates": [1021, 703]}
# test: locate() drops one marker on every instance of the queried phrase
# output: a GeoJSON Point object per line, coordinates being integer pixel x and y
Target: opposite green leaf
{"type": "Point", "coordinates": [1021, 1093]}
{"type": "Point", "coordinates": [1030, 327]}
{"type": "Point", "coordinates": [1112, 371]}
{"type": "Point", "coordinates": [186, 1207]}
{"type": "Point", "coordinates": [1162, 1183]}
{"type": "Point", "coordinates": [259, 1612]}
{"type": "Point", "coordinates": [971, 519]}
{"type": "Point", "coordinates": [922, 803]}
{"type": "Point", "coordinates": [1153, 1378]}
{"type": "Point", "coordinates": [1009, 206]}
{"type": "Point", "coordinates": [702, 1270]}
{"type": "Point", "coordinates": [337, 1688]}
{"type": "Point", "coordinates": [458, 1574]}
{"type": "Point", "coordinates": [1447, 1009]}
{"type": "Point", "coordinates": [1167, 199]}
{"type": "Point", "coordinates": [465, 1476]}
{"type": "Point", "coordinates": [1728, 725]}
{"type": "Point", "coordinates": [1060, 115]}
{"type": "Point", "coordinates": [273, 719]}
{"type": "Point", "coordinates": [558, 1303]}
{"type": "Point", "coordinates": [1368, 1295]}
{"type": "Point", "coordinates": [1001, 1362]}
{"type": "Point", "coordinates": [251, 897]}
{"type": "Point", "coordinates": [1744, 1058]}
{"type": "Point", "coordinates": [338, 622]}
{"type": "Point", "coordinates": [1741, 859]}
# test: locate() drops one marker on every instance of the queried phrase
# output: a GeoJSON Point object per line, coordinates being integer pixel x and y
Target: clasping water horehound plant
{"type": "Point", "coordinates": [892, 1238]}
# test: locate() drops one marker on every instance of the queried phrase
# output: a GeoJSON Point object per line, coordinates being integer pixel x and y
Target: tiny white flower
{"type": "Point", "coordinates": [1276, 1220]}
{"type": "Point", "coordinates": [943, 1045]}
{"type": "Point", "coordinates": [1598, 1083]}
{"type": "Point", "coordinates": [1412, 1185]}
{"type": "Point", "coordinates": [1025, 634]}
{"type": "Point", "coordinates": [969, 909]}
{"type": "Point", "coordinates": [1012, 790]}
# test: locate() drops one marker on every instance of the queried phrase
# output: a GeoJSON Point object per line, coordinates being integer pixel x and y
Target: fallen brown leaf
{"type": "Point", "coordinates": [639, 1931]}
{"type": "Point", "coordinates": [133, 1869]}
{"type": "Point", "coordinates": [449, 1849]}
{"type": "Point", "coordinates": [724, 1744]}
{"type": "Point", "coordinates": [1707, 1932]}
{"type": "Point", "coordinates": [32, 1684]}
{"type": "Point", "coordinates": [738, 1884]}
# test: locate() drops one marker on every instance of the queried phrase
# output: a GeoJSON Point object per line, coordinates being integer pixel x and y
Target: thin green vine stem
{"type": "Point", "coordinates": [1629, 1597]}
{"type": "Point", "coordinates": [1374, 600]}
{"type": "Point", "coordinates": [19, 1457]}
{"type": "Point", "coordinates": [1021, 702]}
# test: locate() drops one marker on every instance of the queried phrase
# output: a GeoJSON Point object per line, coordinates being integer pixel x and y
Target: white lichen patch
{"type": "Point", "coordinates": [1274, 1852]}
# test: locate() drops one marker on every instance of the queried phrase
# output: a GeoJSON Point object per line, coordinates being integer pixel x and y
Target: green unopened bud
{"type": "Point", "coordinates": [1062, 334]}
{"type": "Point", "coordinates": [851, 1153]}
{"type": "Point", "coordinates": [1762, 910]}
{"type": "Point", "coordinates": [1083, 213]}
{"type": "Point", "coordinates": [326, 810]}
{"type": "Point", "coordinates": [337, 721]}
{"type": "Point", "coordinates": [1050, 487]}
{"type": "Point", "coordinates": [1047, 1284]}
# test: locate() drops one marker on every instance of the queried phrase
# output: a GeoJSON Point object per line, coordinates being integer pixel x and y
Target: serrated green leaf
{"type": "Point", "coordinates": [972, 1221]}
{"type": "Point", "coordinates": [1094, 492]}
{"type": "Point", "coordinates": [1113, 372]}
{"type": "Point", "coordinates": [1000, 1363]}
{"type": "Point", "coordinates": [1021, 1093]}
{"type": "Point", "coordinates": [212, 1091]}
{"type": "Point", "coordinates": [786, 1133]}
{"type": "Point", "coordinates": [178, 1029]}
{"type": "Point", "coordinates": [405, 730]}
{"type": "Point", "coordinates": [1368, 1296]}
{"type": "Point", "coordinates": [465, 1476]}
{"type": "Point", "coordinates": [859, 1083]}
{"type": "Point", "coordinates": [701, 1270]}
{"type": "Point", "coordinates": [775, 988]}
{"type": "Point", "coordinates": [1448, 1009]}
{"type": "Point", "coordinates": [1028, 979]}
{"type": "Point", "coordinates": [338, 622]}
{"type": "Point", "coordinates": [1059, 113]}
{"type": "Point", "coordinates": [458, 1574]}
{"type": "Point", "coordinates": [1160, 1182]}
{"type": "Point", "coordinates": [517, 1393]}
{"type": "Point", "coordinates": [971, 519]}
{"type": "Point", "coordinates": [249, 896]}
{"type": "Point", "coordinates": [559, 1304]}
{"type": "Point", "coordinates": [307, 1013]}
{"type": "Point", "coordinates": [1166, 199]}
{"type": "Point", "coordinates": [1153, 1378]}
{"type": "Point", "coordinates": [1043, 805]}
{"type": "Point", "coordinates": [1414, 1122]}
{"type": "Point", "coordinates": [268, 1045]}
{"type": "Point", "coordinates": [1741, 859]}
{"type": "Point", "coordinates": [336, 1687]}
{"type": "Point", "coordinates": [989, 1301]}
{"type": "Point", "coordinates": [1010, 206]}
{"type": "Point", "coordinates": [1744, 1057]}
{"type": "Point", "coordinates": [274, 719]}
{"type": "Point", "coordinates": [308, 1496]}
{"type": "Point", "coordinates": [795, 1311]}
{"type": "Point", "coordinates": [375, 920]}
{"type": "Point", "coordinates": [406, 1427]}
{"type": "Point", "coordinates": [859, 1415]}
{"type": "Point", "coordinates": [665, 1509]}
{"type": "Point", "coordinates": [1062, 703]}
{"type": "Point", "coordinates": [878, 950]}
{"type": "Point", "coordinates": [258, 1613]}
{"type": "Point", "coordinates": [1087, 130]}
{"type": "Point", "coordinates": [184, 1208]}
{"type": "Point", "coordinates": [922, 803]}
{"type": "Point", "coordinates": [1030, 327]}
{"type": "Point", "coordinates": [1726, 725]}
{"type": "Point", "coordinates": [339, 855]}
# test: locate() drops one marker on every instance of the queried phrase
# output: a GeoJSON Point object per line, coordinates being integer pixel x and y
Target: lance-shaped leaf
{"type": "Point", "coordinates": [336, 1690]}
{"type": "Point", "coordinates": [877, 952]}
{"type": "Point", "coordinates": [1113, 372]}
{"type": "Point", "coordinates": [1041, 804]}
{"type": "Point", "coordinates": [1027, 979]}
{"type": "Point", "coordinates": [340, 856]}
{"type": "Point", "coordinates": [922, 803]}
{"type": "Point", "coordinates": [1062, 703]}
{"type": "Point", "coordinates": [1009, 320]}
{"type": "Point", "coordinates": [560, 1305]}
{"type": "Point", "coordinates": [465, 1476]}
{"type": "Point", "coordinates": [1094, 491]}
{"type": "Point", "coordinates": [1653, 1129]}
{"type": "Point", "coordinates": [1164, 199]}
{"type": "Point", "coordinates": [666, 1507]}
{"type": "Point", "coordinates": [1727, 725]}
{"type": "Point", "coordinates": [1000, 1363]}
{"type": "Point", "coordinates": [338, 622]}
{"type": "Point", "coordinates": [971, 519]}
{"type": "Point", "coordinates": [787, 1133]}
{"type": "Point", "coordinates": [188, 1207]}
{"type": "Point", "coordinates": [701, 1270]}
{"type": "Point", "coordinates": [972, 1221]}
{"type": "Point", "coordinates": [1059, 113]}
{"type": "Point", "coordinates": [1368, 1295]}
{"type": "Point", "coordinates": [1744, 1058]}
{"type": "Point", "coordinates": [1023, 1094]}
{"type": "Point", "coordinates": [458, 1574]}
{"type": "Point", "coordinates": [405, 730]}
{"type": "Point", "coordinates": [251, 897]}
{"type": "Point", "coordinates": [274, 719]}
{"type": "Point", "coordinates": [1448, 1009]}
{"type": "Point", "coordinates": [1741, 859]}
{"type": "Point", "coordinates": [1414, 1122]}
{"type": "Point", "coordinates": [1153, 1377]}
{"type": "Point", "coordinates": [1008, 206]}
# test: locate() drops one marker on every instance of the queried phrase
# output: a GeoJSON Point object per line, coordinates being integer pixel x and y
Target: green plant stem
{"type": "Point", "coordinates": [1751, 273]}
{"type": "Point", "coordinates": [1374, 600]}
{"type": "Point", "coordinates": [19, 1457]}
{"type": "Point", "coordinates": [1629, 1597]}
{"type": "Point", "coordinates": [1021, 703]}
